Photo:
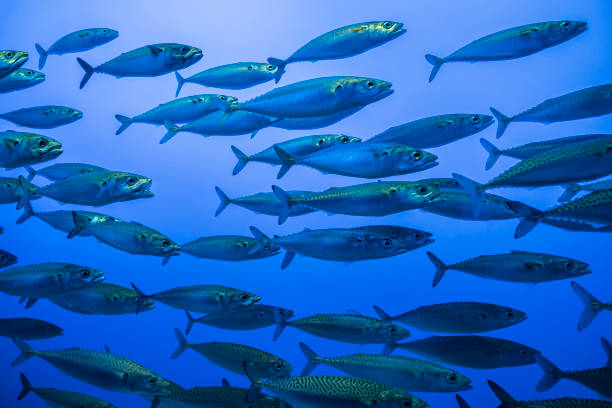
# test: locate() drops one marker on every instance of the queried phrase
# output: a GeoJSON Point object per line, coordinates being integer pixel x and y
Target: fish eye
{"type": "Point", "coordinates": [2, 257]}
{"type": "Point", "coordinates": [267, 247]}
{"type": "Point", "coordinates": [42, 143]}
{"type": "Point", "coordinates": [422, 190]}
{"type": "Point", "coordinates": [152, 380]}
{"type": "Point", "coordinates": [565, 25]}
{"type": "Point", "coordinates": [524, 353]}
{"type": "Point", "coordinates": [417, 236]}
{"type": "Point", "coordinates": [104, 31]}
{"type": "Point", "coordinates": [387, 244]}
{"type": "Point", "coordinates": [28, 73]}
{"type": "Point", "coordinates": [85, 273]}
{"type": "Point", "coordinates": [165, 243]}
{"type": "Point", "coordinates": [393, 190]}
{"type": "Point", "coordinates": [370, 84]}
{"type": "Point", "coordinates": [244, 297]}
{"type": "Point", "coordinates": [387, 24]}
{"type": "Point", "coordinates": [569, 265]}
{"type": "Point", "coordinates": [221, 296]}
{"type": "Point", "coordinates": [320, 142]}
{"type": "Point", "coordinates": [70, 110]}
{"type": "Point", "coordinates": [223, 97]}
{"type": "Point", "coordinates": [509, 314]}
{"type": "Point", "coordinates": [416, 155]}
{"type": "Point", "coordinates": [452, 378]}
{"type": "Point", "coordinates": [270, 67]}
{"type": "Point", "coordinates": [407, 403]}
{"type": "Point", "coordinates": [345, 139]}
{"type": "Point", "coordinates": [278, 366]}
{"type": "Point", "coordinates": [9, 54]}
{"type": "Point", "coordinates": [250, 67]}
{"type": "Point", "coordinates": [393, 329]}
{"type": "Point", "coordinates": [115, 297]}
{"type": "Point", "coordinates": [475, 119]}
{"type": "Point", "coordinates": [131, 180]}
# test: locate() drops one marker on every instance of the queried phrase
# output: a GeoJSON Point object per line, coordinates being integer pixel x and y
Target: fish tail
{"type": "Point", "coordinates": [551, 376]}
{"type": "Point", "coordinates": [89, 70]}
{"type": "Point", "coordinates": [281, 323]}
{"type": "Point", "coordinates": [172, 130]}
{"type": "Point", "coordinates": [183, 345]}
{"type": "Point", "coordinates": [494, 153]}
{"type": "Point", "coordinates": [80, 222]}
{"type": "Point", "coordinates": [286, 160]}
{"type": "Point", "coordinates": [280, 64]}
{"type": "Point", "coordinates": [441, 268]}
{"type": "Point", "coordinates": [506, 399]}
{"type": "Point", "coordinates": [313, 359]}
{"type": "Point", "coordinates": [570, 191]}
{"type": "Point", "coordinates": [262, 240]}
{"type": "Point", "coordinates": [475, 190]}
{"type": "Point", "coordinates": [285, 200]}
{"type": "Point", "coordinates": [190, 322]}
{"type": "Point", "coordinates": [28, 212]}
{"type": "Point", "coordinates": [287, 259]}
{"type": "Point", "coordinates": [382, 314]}
{"type": "Point", "coordinates": [608, 350]}
{"type": "Point", "coordinates": [181, 81]}
{"type": "Point", "coordinates": [437, 64]}
{"type": "Point", "coordinates": [26, 387]}
{"type": "Point", "coordinates": [592, 306]}
{"type": "Point", "coordinates": [43, 55]}
{"type": "Point", "coordinates": [462, 403]}
{"type": "Point", "coordinates": [224, 200]}
{"type": "Point", "coordinates": [502, 122]}
{"type": "Point", "coordinates": [141, 297]}
{"type": "Point", "coordinates": [31, 173]}
{"type": "Point", "coordinates": [256, 383]}
{"type": "Point", "coordinates": [125, 123]}
{"type": "Point", "coordinates": [26, 351]}
{"type": "Point", "coordinates": [27, 188]}
{"type": "Point", "coordinates": [531, 217]}
{"type": "Point", "coordinates": [243, 159]}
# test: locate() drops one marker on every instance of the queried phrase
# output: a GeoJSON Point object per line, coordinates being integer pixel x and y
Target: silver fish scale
{"type": "Point", "coordinates": [603, 373]}
{"type": "Point", "coordinates": [198, 291]}
{"type": "Point", "coordinates": [211, 394]}
{"type": "Point", "coordinates": [98, 359]}
{"type": "Point", "coordinates": [110, 289]}
{"type": "Point", "coordinates": [568, 99]}
{"type": "Point", "coordinates": [71, 399]}
{"type": "Point", "coordinates": [28, 271]}
{"type": "Point", "coordinates": [330, 386]}
{"type": "Point", "coordinates": [552, 144]}
{"type": "Point", "coordinates": [345, 320]}
{"type": "Point", "coordinates": [381, 361]}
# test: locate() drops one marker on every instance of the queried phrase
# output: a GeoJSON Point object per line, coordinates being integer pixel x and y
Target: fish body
{"type": "Point", "coordinates": [264, 203]}
{"type": "Point", "coordinates": [228, 248]}
{"type": "Point", "coordinates": [18, 149]}
{"type": "Point", "coordinates": [63, 220]}
{"type": "Point", "coordinates": [62, 399]}
{"type": "Point", "coordinates": [434, 131]}
{"type": "Point", "coordinates": [256, 316]}
{"type": "Point", "coordinates": [217, 397]}
{"type": "Point", "coordinates": [81, 40]}
{"type": "Point", "coordinates": [10, 60]}
{"type": "Point", "coordinates": [597, 379]}
{"type": "Point", "coordinates": [316, 122]}
{"type": "Point", "coordinates": [472, 351]}
{"type": "Point", "coordinates": [239, 75]}
{"type": "Point", "coordinates": [7, 259]}
{"type": "Point", "coordinates": [572, 189]}
{"type": "Point", "coordinates": [103, 299]}
{"type": "Point", "coordinates": [29, 329]}
{"type": "Point", "coordinates": [43, 117]}
{"type": "Point", "coordinates": [512, 43]}
{"type": "Point", "coordinates": [21, 78]}
{"type": "Point", "coordinates": [62, 171]}
{"type": "Point", "coordinates": [457, 203]}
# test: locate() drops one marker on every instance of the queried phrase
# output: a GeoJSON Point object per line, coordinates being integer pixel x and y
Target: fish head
{"type": "Point", "coordinates": [325, 141]}
{"type": "Point", "coordinates": [275, 369]}
{"type": "Point", "coordinates": [30, 75]}
{"type": "Point", "coordinates": [471, 123]}
{"type": "Point", "coordinates": [128, 186]}
{"type": "Point", "coordinates": [133, 301]}
{"type": "Point", "coordinates": [222, 102]}
{"type": "Point", "coordinates": [559, 31]}
{"type": "Point", "coordinates": [148, 384]}
{"type": "Point", "coordinates": [393, 333]}
{"type": "Point", "coordinates": [567, 267]}
{"type": "Point", "coordinates": [233, 299]}
{"type": "Point", "coordinates": [41, 147]}
{"type": "Point", "coordinates": [414, 193]}
{"type": "Point", "coordinates": [267, 70]}
{"type": "Point", "coordinates": [105, 34]}
{"type": "Point", "coordinates": [363, 91]}
{"type": "Point", "coordinates": [452, 381]}
{"type": "Point", "coordinates": [396, 399]}
{"type": "Point", "coordinates": [160, 243]}
{"type": "Point", "coordinates": [7, 259]}
{"type": "Point", "coordinates": [63, 112]}
{"type": "Point", "coordinates": [410, 159]}
{"type": "Point", "coordinates": [507, 315]}
{"type": "Point", "coordinates": [78, 277]}
{"type": "Point", "coordinates": [410, 238]}
{"type": "Point", "coordinates": [278, 313]}
{"type": "Point", "coordinates": [12, 58]}
{"type": "Point", "coordinates": [382, 31]}
{"type": "Point", "coordinates": [268, 401]}
{"type": "Point", "coordinates": [182, 56]}
{"type": "Point", "coordinates": [44, 329]}
{"type": "Point", "coordinates": [517, 354]}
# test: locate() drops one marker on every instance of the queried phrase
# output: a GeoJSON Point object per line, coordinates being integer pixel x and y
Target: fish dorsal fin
{"type": "Point", "coordinates": [306, 229]}
{"type": "Point", "coordinates": [225, 383]}
{"type": "Point", "coordinates": [519, 252]}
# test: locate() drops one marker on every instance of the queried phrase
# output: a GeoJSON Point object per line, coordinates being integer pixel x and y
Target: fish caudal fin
{"type": "Point", "coordinates": [243, 159]}
{"type": "Point", "coordinates": [506, 399]}
{"type": "Point", "coordinates": [475, 190]}
{"type": "Point", "coordinates": [552, 374]}
{"type": "Point", "coordinates": [502, 122]}
{"type": "Point", "coordinates": [262, 240]}
{"type": "Point", "coordinates": [42, 55]}
{"type": "Point", "coordinates": [570, 191]}
{"type": "Point", "coordinates": [141, 297]}
{"type": "Point", "coordinates": [26, 351]}
{"type": "Point", "coordinates": [224, 200]}
{"type": "Point", "coordinates": [183, 345]}
{"type": "Point", "coordinates": [313, 359]}
{"type": "Point", "coordinates": [80, 222]}
{"type": "Point", "coordinates": [190, 322]}
{"type": "Point", "coordinates": [125, 123]}
{"type": "Point", "coordinates": [180, 81]}
{"type": "Point", "coordinates": [31, 173]}
{"type": "Point", "coordinates": [494, 153]}
{"type": "Point", "coordinates": [285, 200]}
{"type": "Point", "coordinates": [462, 403]}
{"type": "Point", "coordinates": [437, 64]}
{"type": "Point", "coordinates": [89, 70]}
{"type": "Point", "coordinates": [280, 64]}
{"type": "Point", "coordinates": [26, 387]}
{"type": "Point", "coordinates": [286, 160]}
{"type": "Point", "coordinates": [531, 217]}
{"type": "Point", "coordinates": [608, 350]}
{"type": "Point", "coordinates": [281, 323]}
{"type": "Point", "coordinates": [382, 314]}
{"type": "Point", "coordinates": [27, 213]}
{"type": "Point", "coordinates": [441, 268]}
{"type": "Point", "coordinates": [27, 188]}
{"type": "Point", "coordinates": [592, 306]}
{"type": "Point", "coordinates": [172, 131]}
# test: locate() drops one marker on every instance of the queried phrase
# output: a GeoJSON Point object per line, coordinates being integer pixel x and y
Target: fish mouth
{"type": "Point", "coordinates": [581, 27]}
{"type": "Point", "coordinates": [21, 59]}
{"type": "Point", "coordinates": [398, 30]}
{"type": "Point", "coordinates": [433, 196]}
{"type": "Point", "coordinates": [487, 120]}
{"type": "Point", "coordinates": [428, 241]}
{"type": "Point", "coordinates": [429, 165]}
{"type": "Point", "coordinates": [98, 278]}
{"type": "Point", "coordinates": [384, 91]}
{"type": "Point", "coordinates": [78, 114]}
{"type": "Point", "coordinates": [143, 189]}
{"type": "Point", "coordinates": [465, 387]}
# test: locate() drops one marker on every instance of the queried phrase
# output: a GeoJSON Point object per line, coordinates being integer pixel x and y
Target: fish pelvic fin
{"type": "Point", "coordinates": [531, 217]}
{"type": "Point", "coordinates": [592, 306]}
{"type": "Point", "coordinates": [462, 403]}
{"type": "Point", "coordinates": [125, 123]}
{"type": "Point", "coordinates": [502, 122]}
{"type": "Point", "coordinates": [26, 351]}
{"type": "Point", "coordinates": [89, 70]}
{"type": "Point", "coordinates": [243, 159]}
{"type": "Point", "coordinates": [506, 399]}
{"type": "Point", "coordinates": [551, 376]}
{"type": "Point", "coordinates": [286, 160]}
{"type": "Point", "coordinates": [172, 131]}
{"type": "Point", "coordinates": [494, 153]}
{"type": "Point", "coordinates": [224, 200]}
{"type": "Point", "coordinates": [437, 64]}
{"type": "Point", "coordinates": [42, 54]}
{"type": "Point", "coordinates": [28, 212]}
{"type": "Point", "coordinates": [141, 297]}
{"type": "Point", "coordinates": [280, 64]}
{"type": "Point", "coordinates": [313, 359]}
{"type": "Point", "coordinates": [183, 344]}
{"type": "Point", "coordinates": [441, 268]}
{"type": "Point", "coordinates": [80, 223]}
{"type": "Point", "coordinates": [180, 81]}
{"type": "Point", "coordinates": [26, 387]}
{"type": "Point", "coordinates": [570, 191]}
{"type": "Point", "coordinates": [286, 203]}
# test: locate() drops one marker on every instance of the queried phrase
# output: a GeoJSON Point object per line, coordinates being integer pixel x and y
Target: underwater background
{"type": "Point", "coordinates": [186, 170]}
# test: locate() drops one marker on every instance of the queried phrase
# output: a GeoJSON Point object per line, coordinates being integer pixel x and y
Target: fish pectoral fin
{"type": "Point", "coordinates": [155, 50]}
{"type": "Point", "coordinates": [359, 29]}
{"type": "Point", "coordinates": [534, 266]}
{"type": "Point", "coordinates": [10, 143]}
{"type": "Point", "coordinates": [529, 31]}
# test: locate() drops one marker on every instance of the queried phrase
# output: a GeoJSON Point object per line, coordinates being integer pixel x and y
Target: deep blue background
{"type": "Point", "coordinates": [186, 170]}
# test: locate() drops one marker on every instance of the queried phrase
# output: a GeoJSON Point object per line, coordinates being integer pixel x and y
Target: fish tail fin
{"type": "Point", "coordinates": [462, 403]}
{"type": "Point", "coordinates": [382, 314]}
{"type": "Point", "coordinates": [224, 200]}
{"type": "Point", "coordinates": [506, 399]}
{"type": "Point", "coordinates": [313, 359]}
{"type": "Point", "coordinates": [262, 240]}
{"type": "Point", "coordinates": [190, 322]}
{"type": "Point", "coordinates": [281, 323]}
{"type": "Point", "coordinates": [125, 123]}
{"type": "Point", "coordinates": [80, 222]}
{"type": "Point", "coordinates": [551, 376]}
{"type": "Point", "coordinates": [26, 351]}
{"type": "Point", "coordinates": [89, 70]}
{"type": "Point", "coordinates": [140, 297]}
{"type": "Point", "coordinates": [172, 131]}
{"type": "Point", "coordinates": [285, 200]}
{"type": "Point", "coordinates": [608, 350]}
{"type": "Point", "coordinates": [437, 64]}
{"type": "Point", "coordinates": [502, 122]}
{"type": "Point", "coordinates": [26, 387]}
{"type": "Point", "coordinates": [570, 191]}
{"type": "Point", "coordinates": [31, 173]}
{"type": "Point", "coordinates": [280, 64]}
{"type": "Point", "coordinates": [476, 191]}
{"type": "Point", "coordinates": [441, 268]}
{"type": "Point", "coordinates": [286, 160]}
{"type": "Point", "coordinates": [42, 55]}
{"type": "Point", "coordinates": [28, 212]}
{"type": "Point", "coordinates": [592, 306]}
{"type": "Point", "coordinates": [183, 345]}
{"type": "Point", "coordinates": [27, 188]}
{"type": "Point", "coordinates": [180, 81]}
{"type": "Point", "coordinates": [531, 217]}
{"type": "Point", "coordinates": [243, 159]}
{"type": "Point", "coordinates": [493, 151]}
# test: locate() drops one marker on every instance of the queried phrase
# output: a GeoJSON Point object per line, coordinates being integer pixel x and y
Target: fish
{"type": "Point", "coordinates": [7, 259]}
{"type": "Point", "coordinates": [10, 60]}
{"type": "Point", "coordinates": [20, 79]}
{"type": "Point", "coordinates": [256, 316]}
{"type": "Point", "coordinates": [182, 110]}
{"type": "Point", "coordinates": [232, 356]}
{"type": "Point", "coordinates": [264, 203]}
{"type": "Point", "coordinates": [239, 75]}
{"type": "Point", "coordinates": [201, 298]}
{"type": "Point", "coordinates": [572, 189]}
{"type": "Point", "coordinates": [101, 369]}
{"type": "Point", "coordinates": [92, 189]}
{"type": "Point", "coordinates": [369, 199]}
{"type": "Point", "coordinates": [404, 373]}
{"type": "Point", "coordinates": [532, 149]}
{"type": "Point", "coordinates": [597, 379]}
{"type": "Point", "coordinates": [29, 329]}
{"type": "Point", "coordinates": [458, 317]}
{"type": "Point", "coordinates": [479, 352]}
{"type": "Point", "coordinates": [316, 122]}
{"type": "Point", "coordinates": [223, 396]}
{"type": "Point", "coordinates": [515, 266]}
{"type": "Point", "coordinates": [63, 220]}
{"type": "Point", "coordinates": [43, 117]}
{"type": "Point", "coordinates": [512, 43]}
{"type": "Point", "coordinates": [342, 42]}
{"type": "Point", "coordinates": [45, 280]}
{"type": "Point", "coordinates": [130, 237]}
{"type": "Point", "coordinates": [435, 131]}
{"type": "Point", "coordinates": [62, 171]}
{"type": "Point", "coordinates": [585, 103]}
{"type": "Point", "coordinates": [348, 328]}
{"type": "Point", "coordinates": [11, 191]}
{"type": "Point", "coordinates": [228, 248]}
{"type": "Point", "coordinates": [317, 97]}
{"type": "Point", "coordinates": [365, 160]}
{"type": "Point", "coordinates": [592, 212]}
{"type": "Point", "coordinates": [60, 398]}
{"type": "Point", "coordinates": [103, 299]}
{"type": "Point", "coordinates": [508, 401]}
{"type": "Point", "coordinates": [220, 123]}
{"type": "Point", "coordinates": [19, 149]}
{"type": "Point", "coordinates": [77, 41]}
{"type": "Point", "coordinates": [592, 306]}
{"type": "Point", "coordinates": [577, 162]}
{"type": "Point", "coordinates": [148, 61]}
{"type": "Point", "coordinates": [298, 147]}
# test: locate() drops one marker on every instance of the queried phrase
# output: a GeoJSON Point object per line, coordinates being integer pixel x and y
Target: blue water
{"type": "Point", "coordinates": [185, 171]}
